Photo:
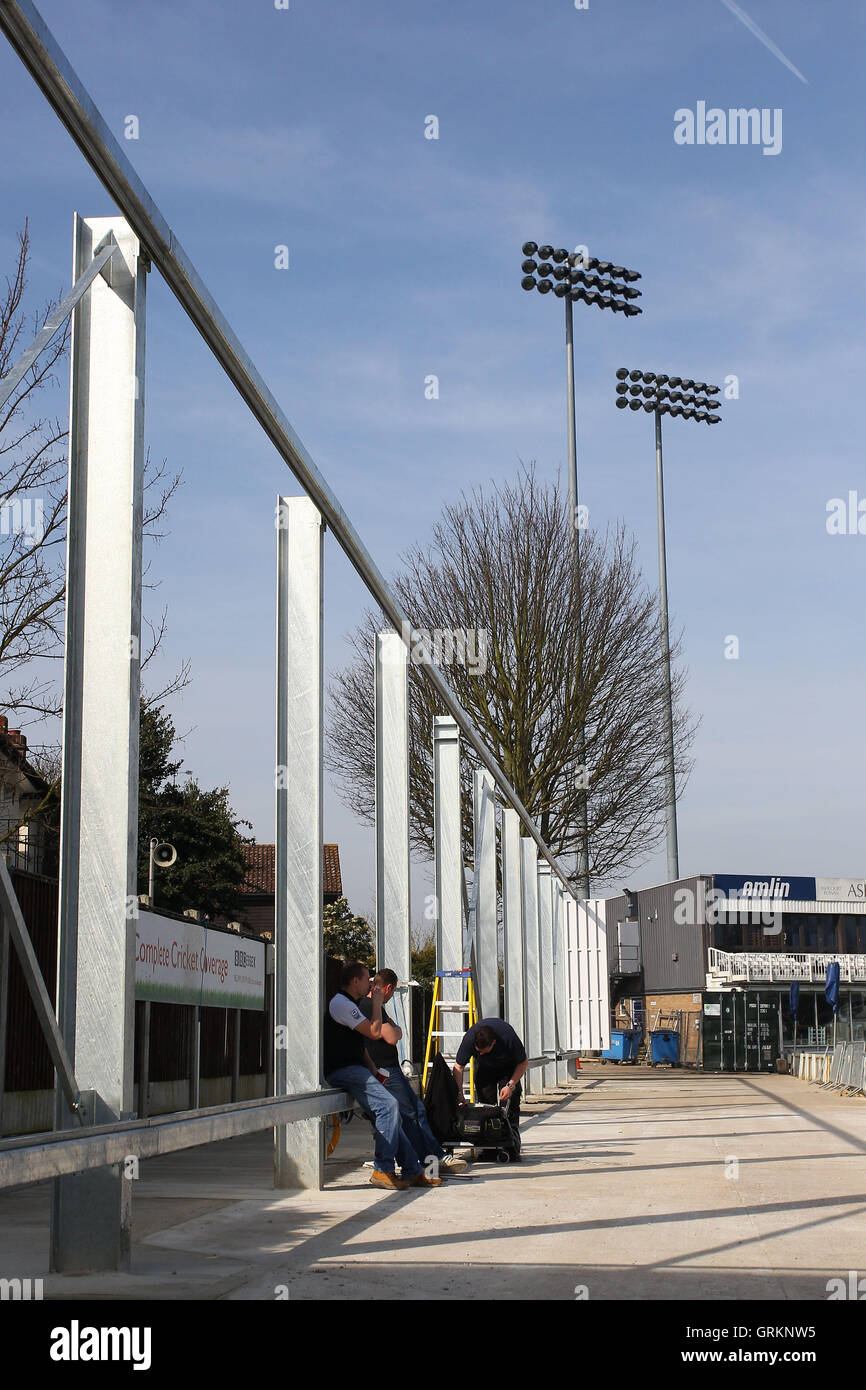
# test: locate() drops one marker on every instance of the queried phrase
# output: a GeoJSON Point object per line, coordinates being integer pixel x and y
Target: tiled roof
{"type": "Point", "coordinates": [260, 871]}
{"type": "Point", "coordinates": [331, 878]}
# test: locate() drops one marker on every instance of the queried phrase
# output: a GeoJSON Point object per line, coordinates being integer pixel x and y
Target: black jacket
{"type": "Point", "coordinates": [440, 1101]}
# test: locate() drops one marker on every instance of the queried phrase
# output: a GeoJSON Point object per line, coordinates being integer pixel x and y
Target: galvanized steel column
{"type": "Point", "coordinates": [560, 974]}
{"type": "Point", "coordinates": [531, 978]}
{"type": "Point", "coordinates": [512, 922]}
{"type": "Point", "coordinates": [91, 1212]}
{"type": "Point", "coordinates": [486, 929]}
{"type": "Point", "coordinates": [5, 946]}
{"type": "Point", "coordinates": [545, 970]}
{"type": "Point", "coordinates": [448, 852]}
{"type": "Point", "coordinates": [393, 943]}
{"type": "Point", "coordinates": [299, 982]}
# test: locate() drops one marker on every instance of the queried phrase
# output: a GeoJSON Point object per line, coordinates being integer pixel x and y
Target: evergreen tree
{"type": "Point", "coordinates": [210, 866]}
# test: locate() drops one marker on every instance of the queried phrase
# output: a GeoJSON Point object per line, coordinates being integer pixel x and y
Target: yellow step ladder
{"type": "Point", "coordinates": [436, 1032]}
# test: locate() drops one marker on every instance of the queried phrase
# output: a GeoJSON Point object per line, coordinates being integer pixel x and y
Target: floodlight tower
{"type": "Point", "coordinates": [679, 397]}
{"type": "Point", "coordinates": [571, 277]}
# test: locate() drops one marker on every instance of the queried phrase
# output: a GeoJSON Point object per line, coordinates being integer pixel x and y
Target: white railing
{"type": "Point", "coordinates": [783, 966]}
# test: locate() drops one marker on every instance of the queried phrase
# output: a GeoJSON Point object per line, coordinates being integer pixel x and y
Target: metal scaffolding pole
{"type": "Point", "coordinates": [393, 932]}
{"type": "Point", "coordinates": [299, 973]}
{"type": "Point", "coordinates": [545, 971]}
{"type": "Point", "coordinates": [512, 921]}
{"type": "Point", "coordinates": [449, 882]}
{"type": "Point", "coordinates": [531, 976]}
{"type": "Point", "coordinates": [91, 1212]}
{"type": "Point", "coordinates": [484, 886]}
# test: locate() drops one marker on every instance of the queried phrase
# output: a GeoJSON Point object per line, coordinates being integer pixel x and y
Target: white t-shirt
{"type": "Point", "coordinates": [345, 1011]}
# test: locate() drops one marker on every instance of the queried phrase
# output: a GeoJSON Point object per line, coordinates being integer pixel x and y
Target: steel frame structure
{"type": "Point", "coordinates": [95, 1129]}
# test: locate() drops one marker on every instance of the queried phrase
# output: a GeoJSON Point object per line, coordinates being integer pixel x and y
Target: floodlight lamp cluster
{"type": "Point", "coordinates": [667, 395]}
{"type": "Point", "coordinates": [569, 273]}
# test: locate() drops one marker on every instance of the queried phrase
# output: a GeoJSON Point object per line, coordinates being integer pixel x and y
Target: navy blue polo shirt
{"type": "Point", "coordinates": [508, 1051]}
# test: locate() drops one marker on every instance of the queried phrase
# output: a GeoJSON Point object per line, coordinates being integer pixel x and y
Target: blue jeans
{"type": "Point", "coordinates": [391, 1142]}
{"type": "Point", "coordinates": [413, 1115]}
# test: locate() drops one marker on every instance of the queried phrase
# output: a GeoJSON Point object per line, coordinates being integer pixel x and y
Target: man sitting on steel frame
{"type": "Point", "coordinates": [349, 1066]}
{"type": "Point", "coordinates": [413, 1115]}
{"type": "Point", "coordinates": [500, 1061]}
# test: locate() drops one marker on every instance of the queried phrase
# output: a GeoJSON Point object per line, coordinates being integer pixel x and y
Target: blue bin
{"type": "Point", "coordinates": [620, 1046]}
{"type": "Point", "coordinates": [635, 1037]}
{"type": "Point", "coordinates": [665, 1046]}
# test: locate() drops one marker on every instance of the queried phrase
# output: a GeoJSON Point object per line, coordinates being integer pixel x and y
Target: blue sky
{"type": "Point", "coordinates": [305, 127]}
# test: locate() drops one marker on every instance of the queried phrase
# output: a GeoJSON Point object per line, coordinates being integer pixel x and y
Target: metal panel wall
{"type": "Point", "coordinates": [588, 974]}
{"type": "Point", "coordinates": [662, 938]}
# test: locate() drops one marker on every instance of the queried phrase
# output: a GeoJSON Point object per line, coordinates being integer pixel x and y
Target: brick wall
{"type": "Point", "coordinates": [690, 1007]}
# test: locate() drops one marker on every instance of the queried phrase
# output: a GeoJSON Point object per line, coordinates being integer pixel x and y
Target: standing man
{"type": "Point", "coordinates": [384, 1054]}
{"type": "Point", "coordinates": [500, 1061]}
{"type": "Point", "coordinates": [348, 1065]}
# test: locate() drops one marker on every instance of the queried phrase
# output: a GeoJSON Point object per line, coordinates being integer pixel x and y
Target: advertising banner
{"type": "Point", "coordinates": [765, 886]}
{"type": "Point", "coordinates": [841, 890]}
{"type": "Point", "coordinates": [191, 963]}
{"type": "Point", "coordinates": [795, 888]}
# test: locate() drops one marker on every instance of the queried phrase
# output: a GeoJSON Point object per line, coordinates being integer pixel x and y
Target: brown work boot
{"type": "Point", "coordinates": [421, 1181]}
{"type": "Point", "coordinates": [390, 1180]}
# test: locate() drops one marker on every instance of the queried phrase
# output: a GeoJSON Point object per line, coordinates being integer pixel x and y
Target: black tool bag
{"type": "Point", "coordinates": [484, 1126]}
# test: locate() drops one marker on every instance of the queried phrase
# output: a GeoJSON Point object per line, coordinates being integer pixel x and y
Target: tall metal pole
{"type": "Point", "coordinates": [512, 921]}
{"type": "Point", "coordinates": [484, 885]}
{"type": "Point", "coordinates": [299, 1148]}
{"type": "Point", "coordinates": [671, 797]}
{"type": "Point", "coordinates": [449, 881]}
{"type": "Point", "coordinates": [574, 541]}
{"type": "Point", "coordinates": [531, 975]}
{"type": "Point", "coordinates": [393, 934]}
{"type": "Point", "coordinates": [91, 1211]}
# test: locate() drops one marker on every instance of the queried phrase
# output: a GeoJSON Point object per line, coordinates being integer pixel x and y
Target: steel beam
{"type": "Point", "coordinates": [56, 320]}
{"type": "Point", "coordinates": [448, 869]}
{"type": "Point", "coordinates": [299, 979]}
{"type": "Point", "coordinates": [194, 1056]}
{"type": "Point", "coordinates": [531, 977]}
{"type": "Point", "coordinates": [97, 1147]}
{"type": "Point", "coordinates": [512, 922]}
{"type": "Point", "coordinates": [545, 971]}
{"type": "Point", "coordinates": [484, 896]}
{"type": "Point", "coordinates": [393, 929]}
{"type": "Point", "coordinates": [4, 1007]}
{"type": "Point", "coordinates": [42, 56]}
{"type": "Point", "coordinates": [91, 1213]}
{"type": "Point", "coordinates": [144, 1062]}
{"type": "Point", "coordinates": [17, 933]}
{"type": "Point", "coordinates": [560, 986]}
{"type": "Point", "coordinates": [236, 1055]}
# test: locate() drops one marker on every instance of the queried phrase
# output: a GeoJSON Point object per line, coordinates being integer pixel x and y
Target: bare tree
{"type": "Point", "coordinates": [32, 509]}
{"type": "Point", "coordinates": [499, 587]}
{"type": "Point", "coordinates": [33, 476]}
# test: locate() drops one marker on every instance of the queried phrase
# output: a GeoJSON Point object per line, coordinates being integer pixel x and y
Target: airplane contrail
{"type": "Point", "coordinates": [764, 38]}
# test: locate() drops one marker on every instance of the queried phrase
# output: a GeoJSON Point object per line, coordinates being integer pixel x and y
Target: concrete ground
{"type": "Point", "coordinates": [635, 1184]}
